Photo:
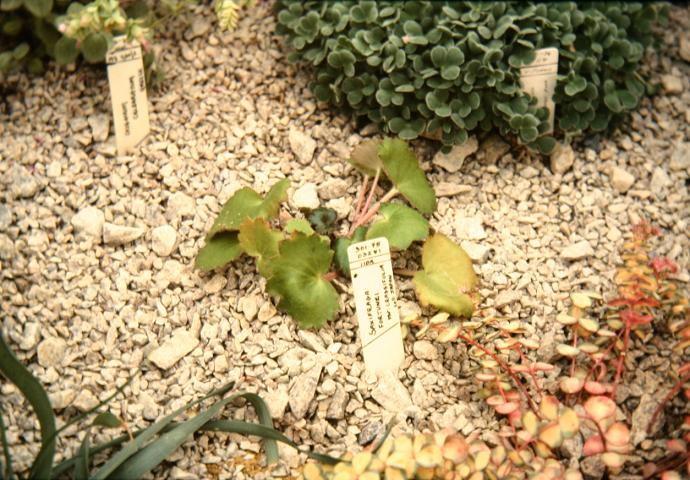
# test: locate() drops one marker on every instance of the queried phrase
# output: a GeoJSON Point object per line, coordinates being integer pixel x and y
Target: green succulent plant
{"type": "Point", "coordinates": [448, 69]}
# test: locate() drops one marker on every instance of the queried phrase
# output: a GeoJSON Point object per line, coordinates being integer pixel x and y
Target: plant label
{"type": "Point", "coordinates": [128, 94]}
{"type": "Point", "coordinates": [377, 306]}
{"type": "Point", "coordinates": [539, 80]}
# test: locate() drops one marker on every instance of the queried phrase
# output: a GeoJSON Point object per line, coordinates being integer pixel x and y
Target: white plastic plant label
{"type": "Point", "coordinates": [539, 80]}
{"type": "Point", "coordinates": [128, 94]}
{"type": "Point", "coordinates": [376, 303]}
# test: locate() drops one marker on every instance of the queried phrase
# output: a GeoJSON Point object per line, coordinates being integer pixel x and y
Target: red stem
{"type": "Point", "coordinates": [621, 360]}
{"type": "Point", "coordinates": [674, 391]}
{"type": "Point", "coordinates": [506, 368]}
{"type": "Point", "coordinates": [360, 197]}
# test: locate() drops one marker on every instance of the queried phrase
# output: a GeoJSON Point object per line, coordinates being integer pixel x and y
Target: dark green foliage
{"type": "Point", "coordinates": [450, 68]}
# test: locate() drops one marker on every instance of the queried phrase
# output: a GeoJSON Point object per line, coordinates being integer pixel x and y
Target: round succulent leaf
{"type": "Point", "coordinates": [618, 435]}
{"type": "Point", "coordinates": [613, 460]}
{"type": "Point", "coordinates": [401, 167]}
{"type": "Point", "coordinates": [593, 446]}
{"type": "Point", "coordinates": [298, 280]}
{"type": "Point", "coordinates": [600, 407]}
{"type": "Point", "coordinates": [571, 385]}
{"type": "Point", "coordinates": [581, 300]}
{"type": "Point", "coordinates": [595, 388]}
{"type": "Point", "coordinates": [400, 224]}
{"type": "Point", "coordinates": [448, 278]}
{"type": "Point", "coordinates": [549, 407]}
{"type": "Point", "coordinates": [365, 157]}
{"type": "Point", "coordinates": [39, 8]}
{"type": "Point", "coordinates": [21, 51]}
{"type": "Point", "coordinates": [94, 47]}
{"type": "Point", "coordinates": [569, 422]}
{"type": "Point", "coordinates": [65, 51]}
{"type": "Point", "coordinates": [551, 435]}
{"type": "Point", "coordinates": [246, 203]}
{"type": "Point", "coordinates": [588, 324]}
{"type": "Point", "coordinates": [219, 250]}
{"type": "Point", "coordinates": [565, 319]}
{"type": "Point", "coordinates": [575, 86]}
{"type": "Point", "coordinates": [567, 350]}
{"type": "Point", "coordinates": [258, 240]}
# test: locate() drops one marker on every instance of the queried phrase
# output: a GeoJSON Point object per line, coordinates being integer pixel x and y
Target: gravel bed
{"type": "Point", "coordinates": [96, 250]}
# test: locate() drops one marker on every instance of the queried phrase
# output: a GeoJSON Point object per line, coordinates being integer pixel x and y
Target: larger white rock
{"type": "Point", "coordinates": [660, 181]}
{"type": "Point", "coordinates": [424, 350]}
{"type": "Point", "coordinates": [476, 251]}
{"type": "Point", "coordinates": [562, 158]}
{"type": "Point", "coordinates": [469, 228]}
{"type": "Point", "coordinates": [680, 158]}
{"type": "Point", "coordinates": [303, 390]}
{"type": "Point", "coordinates": [100, 127]}
{"type": "Point", "coordinates": [621, 180]}
{"type": "Point", "coordinates": [277, 401]}
{"type": "Point", "coordinates": [302, 145]}
{"type": "Point", "coordinates": [89, 221]}
{"type": "Point", "coordinates": [453, 160]}
{"type": "Point", "coordinates": [180, 204]}
{"type": "Point", "coordinates": [120, 235]}
{"type": "Point", "coordinates": [391, 394]}
{"type": "Point", "coordinates": [577, 251]}
{"type": "Point", "coordinates": [672, 84]}
{"type": "Point", "coordinates": [180, 344]}
{"type": "Point", "coordinates": [163, 240]}
{"type": "Point", "coordinates": [51, 351]}
{"type": "Point", "coordinates": [306, 196]}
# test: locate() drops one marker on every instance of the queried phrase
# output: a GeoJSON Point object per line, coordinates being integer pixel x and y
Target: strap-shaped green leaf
{"type": "Point", "coordinates": [134, 445]}
{"type": "Point", "coordinates": [9, 474]}
{"type": "Point", "coordinates": [32, 390]}
{"type": "Point", "coordinates": [81, 467]}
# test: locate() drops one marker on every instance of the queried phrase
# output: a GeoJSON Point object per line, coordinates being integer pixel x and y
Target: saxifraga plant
{"type": "Point", "coordinates": [66, 30]}
{"type": "Point", "coordinates": [300, 260]}
{"type": "Point", "coordinates": [449, 69]}
{"type": "Point", "coordinates": [135, 453]}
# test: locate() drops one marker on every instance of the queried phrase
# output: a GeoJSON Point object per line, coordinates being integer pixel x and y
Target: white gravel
{"type": "Point", "coordinates": [97, 251]}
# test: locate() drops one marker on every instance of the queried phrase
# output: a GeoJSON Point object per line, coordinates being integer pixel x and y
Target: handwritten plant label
{"type": "Point", "coordinates": [128, 94]}
{"type": "Point", "coordinates": [376, 303]}
{"type": "Point", "coordinates": [539, 80]}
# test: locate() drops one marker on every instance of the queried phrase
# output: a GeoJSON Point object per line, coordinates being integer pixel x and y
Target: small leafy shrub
{"type": "Point", "coordinates": [299, 258]}
{"type": "Point", "coordinates": [65, 30]}
{"type": "Point", "coordinates": [448, 69]}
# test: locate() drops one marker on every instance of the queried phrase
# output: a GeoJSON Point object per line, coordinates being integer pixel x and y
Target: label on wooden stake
{"type": "Point", "coordinates": [128, 94]}
{"type": "Point", "coordinates": [377, 306]}
{"type": "Point", "coordinates": [539, 80]}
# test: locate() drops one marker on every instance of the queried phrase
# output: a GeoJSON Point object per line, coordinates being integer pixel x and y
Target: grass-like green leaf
{"type": "Point", "coordinates": [32, 390]}
{"type": "Point", "coordinates": [365, 157]}
{"type": "Point", "coordinates": [448, 280]}
{"type": "Point", "coordinates": [400, 224]}
{"type": "Point", "coordinates": [401, 167]}
{"type": "Point", "coordinates": [134, 445]}
{"type": "Point", "coordinates": [246, 203]}
{"type": "Point", "coordinates": [9, 474]}
{"type": "Point", "coordinates": [258, 240]}
{"type": "Point", "coordinates": [223, 248]}
{"type": "Point", "coordinates": [298, 279]}
{"type": "Point", "coordinates": [81, 467]}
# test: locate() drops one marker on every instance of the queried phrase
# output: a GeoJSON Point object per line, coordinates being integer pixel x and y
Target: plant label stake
{"type": "Point", "coordinates": [539, 80]}
{"type": "Point", "coordinates": [128, 94]}
{"type": "Point", "coordinates": [376, 302]}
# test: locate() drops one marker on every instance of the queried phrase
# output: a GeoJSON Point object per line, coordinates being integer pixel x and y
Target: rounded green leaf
{"type": "Point", "coordinates": [400, 224]}
{"type": "Point", "coordinates": [342, 262]}
{"type": "Point", "coordinates": [20, 51]}
{"type": "Point", "coordinates": [66, 51]}
{"type": "Point", "coordinates": [401, 167]}
{"type": "Point", "coordinates": [448, 281]}
{"type": "Point", "coordinates": [246, 203]}
{"type": "Point", "coordinates": [298, 225]}
{"type": "Point", "coordinates": [94, 47]}
{"type": "Point", "coordinates": [365, 157]}
{"type": "Point", "coordinates": [298, 279]}
{"type": "Point", "coordinates": [219, 250]}
{"type": "Point", "coordinates": [39, 8]}
{"type": "Point", "coordinates": [575, 86]}
{"type": "Point", "coordinates": [258, 240]}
